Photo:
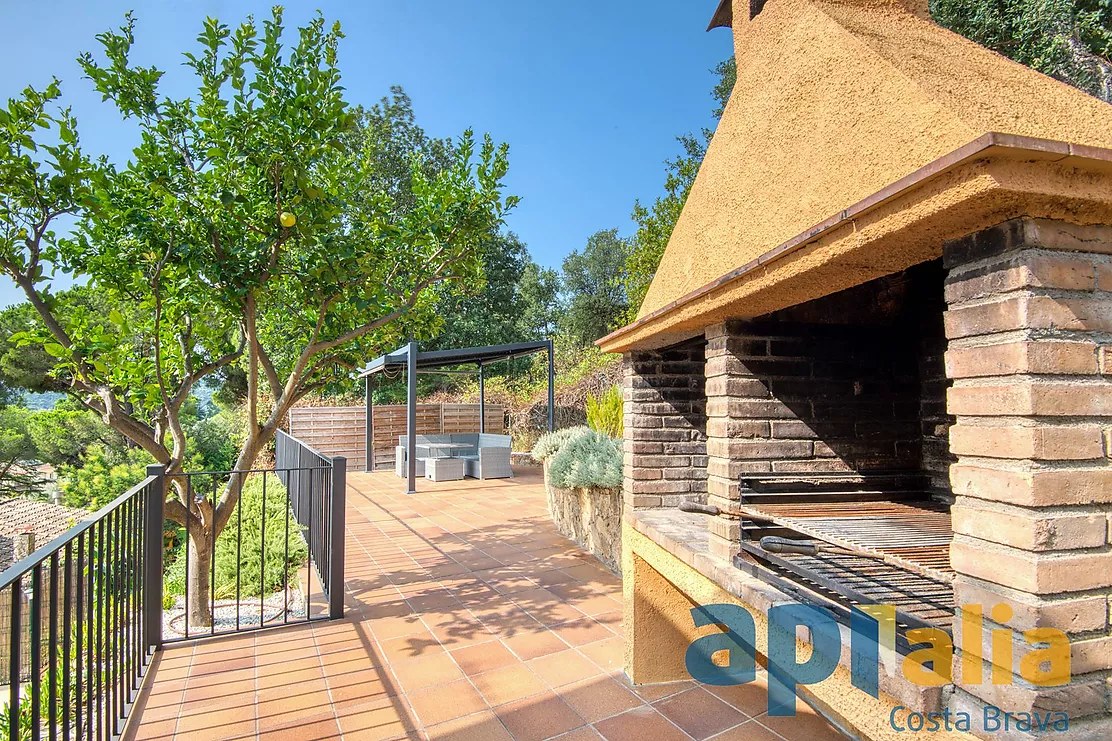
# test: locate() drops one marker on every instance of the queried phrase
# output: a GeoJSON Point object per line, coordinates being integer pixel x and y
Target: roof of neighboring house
{"type": "Point", "coordinates": [837, 102]}
{"type": "Point", "coordinates": [46, 519]}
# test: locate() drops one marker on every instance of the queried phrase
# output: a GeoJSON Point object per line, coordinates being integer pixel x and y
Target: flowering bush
{"type": "Point", "coordinates": [580, 458]}
{"type": "Point", "coordinates": [549, 444]}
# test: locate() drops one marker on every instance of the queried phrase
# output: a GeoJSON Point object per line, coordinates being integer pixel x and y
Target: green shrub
{"type": "Point", "coordinates": [278, 566]}
{"type": "Point", "coordinates": [550, 443]}
{"type": "Point", "coordinates": [214, 442]}
{"type": "Point", "coordinates": [586, 460]}
{"type": "Point", "coordinates": [604, 412]}
{"type": "Point", "coordinates": [104, 475]}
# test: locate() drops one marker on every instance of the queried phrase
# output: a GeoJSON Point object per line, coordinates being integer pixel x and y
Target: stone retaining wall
{"type": "Point", "coordinates": [591, 517]}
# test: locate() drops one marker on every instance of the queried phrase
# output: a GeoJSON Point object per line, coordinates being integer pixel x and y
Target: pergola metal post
{"type": "Point", "coordinates": [482, 402]}
{"type": "Point", "coordinates": [411, 418]}
{"type": "Point", "coordinates": [551, 389]}
{"type": "Point", "coordinates": [369, 463]}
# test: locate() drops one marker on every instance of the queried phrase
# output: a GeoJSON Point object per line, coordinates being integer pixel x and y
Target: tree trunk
{"type": "Point", "coordinates": [200, 545]}
{"type": "Point", "coordinates": [198, 605]}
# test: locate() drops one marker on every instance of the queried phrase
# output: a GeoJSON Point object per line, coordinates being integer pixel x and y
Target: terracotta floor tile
{"type": "Point", "coordinates": [749, 731]}
{"type": "Point", "coordinates": [445, 702]}
{"type": "Point", "coordinates": [321, 727]}
{"type": "Point", "coordinates": [548, 577]}
{"type": "Point", "coordinates": [356, 690]}
{"type": "Point", "coordinates": [589, 574]}
{"type": "Point", "coordinates": [483, 726]}
{"type": "Point", "coordinates": [538, 717]}
{"type": "Point", "coordinates": [272, 678]}
{"type": "Point", "coordinates": [155, 730]}
{"type": "Point", "coordinates": [563, 668]}
{"type": "Point", "coordinates": [699, 713]}
{"type": "Point", "coordinates": [640, 724]}
{"type": "Point", "coordinates": [507, 684]}
{"type": "Point", "coordinates": [806, 725]}
{"type": "Point", "coordinates": [462, 633]}
{"type": "Point", "coordinates": [377, 721]}
{"type": "Point", "coordinates": [612, 620]}
{"type": "Point", "coordinates": [393, 627]}
{"type": "Point", "coordinates": [240, 704]}
{"type": "Point", "coordinates": [750, 698]}
{"type": "Point", "coordinates": [598, 698]}
{"type": "Point", "coordinates": [277, 707]}
{"type": "Point", "coordinates": [531, 643]}
{"type": "Point", "coordinates": [506, 619]}
{"type": "Point", "coordinates": [232, 681]}
{"type": "Point", "coordinates": [586, 733]}
{"type": "Point", "coordinates": [654, 692]}
{"type": "Point", "coordinates": [608, 654]}
{"type": "Point", "coordinates": [582, 631]}
{"type": "Point", "coordinates": [426, 671]}
{"type": "Point", "coordinates": [412, 646]}
{"type": "Point", "coordinates": [483, 657]}
{"type": "Point", "coordinates": [233, 721]}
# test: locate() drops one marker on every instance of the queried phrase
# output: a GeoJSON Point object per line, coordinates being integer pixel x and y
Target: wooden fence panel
{"type": "Point", "coordinates": [342, 430]}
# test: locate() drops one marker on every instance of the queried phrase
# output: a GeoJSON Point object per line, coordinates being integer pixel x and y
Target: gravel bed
{"type": "Point", "coordinates": [274, 608]}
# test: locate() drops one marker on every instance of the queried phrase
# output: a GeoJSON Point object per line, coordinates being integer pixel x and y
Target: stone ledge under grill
{"type": "Point", "coordinates": [684, 535]}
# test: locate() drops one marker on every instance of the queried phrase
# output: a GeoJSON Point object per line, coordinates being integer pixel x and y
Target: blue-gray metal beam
{"type": "Point", "coordinates": [482, 402]}
{"type": "Point", "coordinates": [369, 463]}
{"type": "Point", "coordinates": [551, 389]}
{"type": "Point", "coordinates": [411, 419]}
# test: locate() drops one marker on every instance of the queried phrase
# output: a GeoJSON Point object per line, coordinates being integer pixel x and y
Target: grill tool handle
{"type": "Point", "coordinates": [773, 544]}
{"type": "Point", "coordinates": [713, 511]}
{"type": "Point", "coordinates": [703, 509]}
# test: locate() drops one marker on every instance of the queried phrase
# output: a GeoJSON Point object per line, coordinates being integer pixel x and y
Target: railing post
{"type": "Point", "coordinates": [336, 539]}
{"type": "Point", "coordinates": [152, 556]}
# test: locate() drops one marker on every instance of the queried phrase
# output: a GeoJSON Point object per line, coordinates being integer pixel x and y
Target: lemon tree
{"type": "Point", "coordinates": [250, 227]}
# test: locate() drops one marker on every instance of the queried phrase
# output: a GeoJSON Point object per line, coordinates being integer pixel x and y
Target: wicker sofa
{"type": "Point", "coordinates": [488, 456]}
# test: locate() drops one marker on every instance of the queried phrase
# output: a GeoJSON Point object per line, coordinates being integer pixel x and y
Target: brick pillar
{"type": "Point", "coordinates": [1028, 309]}
{"type": "Point", "coordinates": [730, 389]}
{"type": "Point", "coordinates": [665, 427]}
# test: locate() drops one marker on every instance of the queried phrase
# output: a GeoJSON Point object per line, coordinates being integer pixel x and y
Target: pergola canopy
{"type": "Point", "coordinates": [411, 360]}
{"type": "Point", "coordinates": [444, 359]}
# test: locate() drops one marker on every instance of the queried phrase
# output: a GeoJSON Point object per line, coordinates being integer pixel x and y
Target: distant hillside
{"type": "Point", "coordinates": [39, 402]}
{"type": "Point", "coordinates": [47, 399]}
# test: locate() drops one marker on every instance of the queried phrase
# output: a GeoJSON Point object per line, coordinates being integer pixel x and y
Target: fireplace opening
{"type": "Point", "coordinates": [843, 452]}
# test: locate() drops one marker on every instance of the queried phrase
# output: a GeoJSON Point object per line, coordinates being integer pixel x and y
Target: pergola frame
{"type": "Point", "coordinates": [410, 359]}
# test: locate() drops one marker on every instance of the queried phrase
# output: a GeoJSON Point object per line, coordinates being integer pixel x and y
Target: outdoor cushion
{"type": "Point", "coordinates": [487, 440]}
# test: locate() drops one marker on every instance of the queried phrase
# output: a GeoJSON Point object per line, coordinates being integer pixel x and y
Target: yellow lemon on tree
{"type": "Point", "coordinates": [287, 219]}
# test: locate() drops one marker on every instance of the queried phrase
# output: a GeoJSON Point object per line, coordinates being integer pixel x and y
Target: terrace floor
{"type": "Point", "coordinates": [468, 618]}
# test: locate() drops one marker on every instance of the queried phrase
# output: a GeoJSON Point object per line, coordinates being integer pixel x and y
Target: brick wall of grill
{"type": "Point", "coordinates": [851, 382]}
{"type": "Point", "coordinates": [665, 426]}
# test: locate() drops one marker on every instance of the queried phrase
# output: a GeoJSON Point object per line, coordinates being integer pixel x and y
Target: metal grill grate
{"type": "Point", "coordinates": [890, 515]}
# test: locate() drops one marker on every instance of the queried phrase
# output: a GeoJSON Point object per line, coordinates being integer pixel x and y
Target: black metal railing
{"type": "Point", "coordinates": [88, 610]}
{"type": "Point", "coordinates": [93, 590]}
{"type": "Point", "coordinates": [314, 499]}
{"type": "Point", "coordinates": [277, 553]}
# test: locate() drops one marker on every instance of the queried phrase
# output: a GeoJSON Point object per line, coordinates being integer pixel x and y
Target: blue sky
{"type": "Point", "coordinates": [589, 95]}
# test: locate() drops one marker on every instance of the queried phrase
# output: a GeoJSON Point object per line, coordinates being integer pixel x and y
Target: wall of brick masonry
{"type": "Point", "coordinates": [927, 307]}
{"type": "Point", "coordinates": [1029, 323]}
{"type": "Point", "coordinates": [665, 426]}
{"type": "Point", "coordinates": [830, 385]}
